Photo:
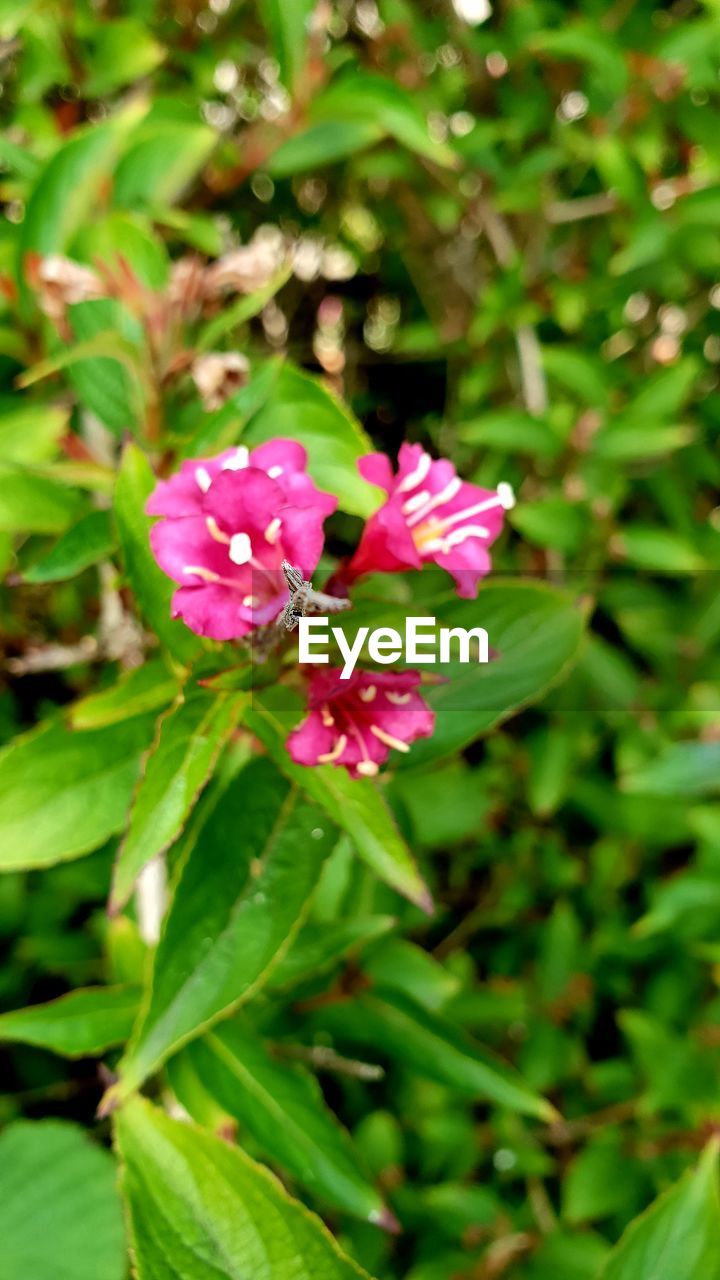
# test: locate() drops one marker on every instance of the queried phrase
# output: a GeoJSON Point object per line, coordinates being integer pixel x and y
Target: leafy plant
{"type": "Point", "coordinates": [392, 976]}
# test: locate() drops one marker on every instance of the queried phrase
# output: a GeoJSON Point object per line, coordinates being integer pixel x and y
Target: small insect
{"type": "Point", "coordinates": [304, 600]}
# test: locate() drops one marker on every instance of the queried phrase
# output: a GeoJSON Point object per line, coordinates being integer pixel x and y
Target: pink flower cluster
{"type": "Point", "coordinates": [228, 522]}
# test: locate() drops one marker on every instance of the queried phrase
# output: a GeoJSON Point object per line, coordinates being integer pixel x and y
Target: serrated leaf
{"type": "Point", "coordinates": [63, 793]}
{"type": "Point", "coordinates": [281, 1106]}
{"type": "Point", "coordinates": [147, 688]}
{"type": "Point", "coordinates": [356, 804]}
{"type": "Point", "coordinates": [90, 540]}
{"type": "Point", "coordinates": [678, 1237]}
{"type": "Point", "coordinates": [241, 897]}
{"type": "Point", "coordinates": [202, 1210]}
{"type": "Point", "coordinates": [82, 1023]}
{"type": "Point", "coordinates": [152, 589]}
{"type": "Point", "coordinates": [59, 1208]}
{"type": "Point", "coordinates": [190, 738]}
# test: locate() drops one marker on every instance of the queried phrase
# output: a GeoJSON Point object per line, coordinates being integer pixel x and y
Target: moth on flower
{"type": "Point", "coordinates": [430, 515]}
{"type": "Point", "coordinates": [228, 524]}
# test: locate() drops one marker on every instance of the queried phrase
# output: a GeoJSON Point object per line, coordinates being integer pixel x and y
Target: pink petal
{"type": "Point", "coordinates": [213, 611]}
{"type": "Point", "coordinates": [287, 455]}
{"type": "Point", "coordinates": [376, 469]}
{"type": "Point", "coordinates": [177, 544]}
{"type": "Point", "coordinates": [467, 563]}
{"type": "Point", "coordinates": [301, 537]}
{"type": "Point", "coordinates": [243, 501]}
{"type": "Point", "coordinates": [311, 739]}
{"type": "Point", "coordinates": [386, 545]}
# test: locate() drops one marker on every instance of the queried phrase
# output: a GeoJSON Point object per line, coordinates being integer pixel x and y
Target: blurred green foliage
{"type": "Point", "coordinates": [495, 233]}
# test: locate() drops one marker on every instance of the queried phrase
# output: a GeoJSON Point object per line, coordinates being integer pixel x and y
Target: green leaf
{"type": "Point", "coordinates": [404, 967]}
{"type": "Point", "coordinates": [602, 1180]}
{"type": "Point", "coordinates": [356, 804]}
{"type": "Point", "coordinates": [34, 503]}
{"type": "Point", "coordinates": [104, 368]}
{"type": "Point", "coordinates": [90, 540]}
{"type": "Point", "coordinates": [657, 548]}
{"type": "Point", "coordinates": [242, 895]}
{"type": "Point", "coordinates": [66, 190]}
{"type": "Point", "coordinates": [120, 51]}
{"type": "Point", "coordinates": [30, 432]}
{"type": "Point", "coordinates": [80, 1024]}
{"type": "Point", "coordinates": [60, 1212]}
{"type": "Point", "coordinates": [282, 1108]}
{"type": "Point", "coordinates": [316, 948]}
{"type": "Point", "coordinates": [190, 738]}
{"type": "Point", "coordinates": [430, 1045]}
{"type": "Point", "coordinates": [378, 100]}
{"type": "Point", "coordinates": [162, 159]}
{"type": "Point", "coordinates": [301, 407]}
{"type": "Point", "coordinates": [323, 144]}
{"type": "Point", "coordinates": [288, 26]}
{"type": "Point", "coordinates": [240, 311]}
{"type": "Point", "coordinates": [536, 631]}
{"type": "Point", "coordinates": [146, 688]}
{"type": "Point", "coordinates": [678, 1237]}
{"type": "Point", "coordinates": [63, 793]}
{"type": "Point", "coordinates": [202, 1210]}
{"type": "Point", "coordinates": [682, 769]}
{"type": "Point", "coordinates": [153, 590]}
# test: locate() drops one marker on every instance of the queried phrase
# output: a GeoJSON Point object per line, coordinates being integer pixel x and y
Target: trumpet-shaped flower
{"type": "Point", "coordinates": [430, 515]}
{"type": "Point", "coordinates": [229, 522]}
{"type": "Point", "coordinates": [358, 721]}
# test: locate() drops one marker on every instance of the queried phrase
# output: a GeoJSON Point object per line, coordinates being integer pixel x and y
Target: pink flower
{"type": "Point", "coordinates": [430, 515]}
{"type": "Point", "coordinates": [229, 523]}
{"type": "Point", "coordinates": [358, 721]}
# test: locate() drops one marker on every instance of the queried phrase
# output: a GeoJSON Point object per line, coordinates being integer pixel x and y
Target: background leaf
{"type": "Point", "coordinates": [201, 1207]}
{"type": "Point", "coordinates": [58, 1201]}
{"type": "Point", "coordinates": [241, 897]}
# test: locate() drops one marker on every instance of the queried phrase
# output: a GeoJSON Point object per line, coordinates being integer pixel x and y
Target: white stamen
{"type": "Point", "coordinates": [487, 505]}
{"type": "Point", "coordinates": [272, 531]}
{"type": "Point", "coordinates": [207, 575]}
{"type": "Point", "coordinates": [215, 531]}
{"type": "Point", "coordinates": [274, 472]}
{"type": "Point", "coordinates": [417, 500]}
{"type": "Point", "coordinates": [250, 602]}
{"type": "Point", "coordinates": [239, 461]}
{"type": "Point", "coordinates": [388, 739]}
{"type": "Point", "coordinates": [398, 698]}
{"type": "Point", "coordinates": [203, 478]}
{"type": "Point", "coordinates": [330, 756]}
{"type": "Point", "coordinates": [506, 495]}
{"type": "Point", "coordinates": [368, 768]}
{"type": "Point", "coordinates": [367, 695]}
{"type": "Point", "coordinates": [327, 717]}
{"type": "Point", "coordinates": [240, 548]}
{"type": "Point", "coordinates": [417, 476]}
{"type": "Point", "coordinates": [445, 495]}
